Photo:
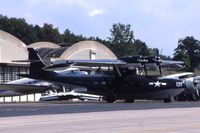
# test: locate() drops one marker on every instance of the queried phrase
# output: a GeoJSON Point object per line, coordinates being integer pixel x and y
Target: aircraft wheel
{"type": "Point", "coordinates": [110, 98]}
{"type": "Point", "coordinates": [131, 100]}
{"type": "Point", "coordinates": [167, 100]}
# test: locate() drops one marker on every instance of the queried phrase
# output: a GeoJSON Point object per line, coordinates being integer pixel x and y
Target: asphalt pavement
{"type": "Point", "coordinates": [90, 117]}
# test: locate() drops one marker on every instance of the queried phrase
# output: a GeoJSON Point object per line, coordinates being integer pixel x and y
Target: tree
{"type": "Point", "coordinates": [122, 39]}
{"type": "Point", "coordinates": [18, 28]}
{"type": "Point", "coordinates": [181, 56]}
{"type": "Point", "coordinates": [51, 34]}
{"type": "Point", "coordinates": [105, 42]}
{"type": "Point", "coordinates": [188, 50]}
{"type": "Point", "coordinates": [71, 38]}
{"type": "Point", "coordinates": [140, 48]}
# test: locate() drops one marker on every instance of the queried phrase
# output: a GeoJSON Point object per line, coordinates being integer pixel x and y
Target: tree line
{"type": "Point", "coordinates": [121, 40]}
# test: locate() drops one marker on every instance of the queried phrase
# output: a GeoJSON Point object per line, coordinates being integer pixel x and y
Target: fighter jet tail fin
{"type": "Point", "coordinates": [36, 63]}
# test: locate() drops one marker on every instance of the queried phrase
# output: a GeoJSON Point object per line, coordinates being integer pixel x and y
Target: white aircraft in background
{"type": "Point", "coordinates": [70, 95]}
{"type": "Point", "coordinates": [26, 86]}
{"type": "Point", "coordinates": [30, 86]}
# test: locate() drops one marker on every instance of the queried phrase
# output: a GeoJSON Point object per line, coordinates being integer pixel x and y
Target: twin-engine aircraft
{"type": "Point", "coordinates": [117, 82]}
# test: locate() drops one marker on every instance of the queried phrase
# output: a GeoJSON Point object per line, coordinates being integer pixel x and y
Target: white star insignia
{"type": "Point", "coordinates": [157, 84]}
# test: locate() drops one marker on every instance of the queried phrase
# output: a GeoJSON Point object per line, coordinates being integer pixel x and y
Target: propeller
{"type": "Point", "coordinates": [196, 82]}
{"type": "Point", "coordinates": [193, 85]}
{"type": "Point", "coordinates": [144, 60]}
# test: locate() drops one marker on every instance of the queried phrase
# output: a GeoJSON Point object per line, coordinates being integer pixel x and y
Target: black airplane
{"type": "Point", "coordinates": [120, 82]}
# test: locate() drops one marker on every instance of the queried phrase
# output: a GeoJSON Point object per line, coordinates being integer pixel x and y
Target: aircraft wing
{"type": "Point", "coordinates": [27, 89]}
{"type": "Point", "coordinates": [90, 63]}
{"type": "Point", "coordinates": [179, 75]}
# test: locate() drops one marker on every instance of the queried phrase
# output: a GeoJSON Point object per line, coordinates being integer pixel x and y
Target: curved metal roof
{"type": "Point", "coordinates": [43, 52]}
{"type": "Point", "coordinates": [5, 36]}
{"type": "Point", "coordinates": [43, 45]}
{"type": "Point", "coordinates": [56, 53]}
{"type": "Point", "coordinates": [88, 45]}
{"type": "Point", "coordinates": [11, 48]}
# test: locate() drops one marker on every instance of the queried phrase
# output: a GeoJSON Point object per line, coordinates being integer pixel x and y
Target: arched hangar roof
{"type": "Point", "coordinates": [82, 49]}
{"type": "Point", "coordinates": [38, 45]}
{"type": "Point", "coordinates": [55, 53]}
{"type": "Point", "coordinates": [11, 48]}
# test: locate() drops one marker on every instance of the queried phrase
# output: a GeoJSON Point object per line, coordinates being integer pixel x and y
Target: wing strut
{"type": "Point", "coordinates": [160, 69]}
{"type": "Point", "coordinates": [118, 71]}
{"type": "Point", "coordinates": [145, 69]}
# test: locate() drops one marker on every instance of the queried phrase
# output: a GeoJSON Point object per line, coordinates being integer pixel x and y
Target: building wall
{"type": "Point", "coordinates": [10, 73]}
{"type": "Point", "coordinates": [11, 49]}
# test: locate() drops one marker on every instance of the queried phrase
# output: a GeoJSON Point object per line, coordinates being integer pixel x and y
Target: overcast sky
{"type": "Point", "coordinates": [159, 23]}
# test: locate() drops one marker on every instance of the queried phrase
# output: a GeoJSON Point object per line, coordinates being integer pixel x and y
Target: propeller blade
{"type": "Point", "coordinates": [197, 91]}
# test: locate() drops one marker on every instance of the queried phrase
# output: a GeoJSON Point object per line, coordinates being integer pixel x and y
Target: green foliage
{"type": "Point", "coordinates": [181, 56]}
{"type": "Point", "coordinates": [70, 37]}
{"type": "Point", "coordinates": [122, 42]}
{"type": "Point", "coordinates": [140, 48]}
{"type": "Point", "coordinates": [30, 34]}
{"type": "Point", "coordinates": [18, 28]}
{"type": "Point", "coordinates": [121, 33]}
{"type": "Point", "coordinates": [188, 50]}
{"type": "Point", "coordinates": [122, 39]}
{"type": "Point", "coordinates": [51, 34]}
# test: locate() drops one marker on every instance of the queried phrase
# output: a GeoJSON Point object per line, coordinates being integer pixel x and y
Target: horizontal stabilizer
{"type": "Point", "coordinates": [32, 61]}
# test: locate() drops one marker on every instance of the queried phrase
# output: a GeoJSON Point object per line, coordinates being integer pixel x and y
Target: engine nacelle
{"type": "Point", "coordinates": [190, 84]}
{"type": "Point", "coordinates": [153, 59]}
{"type": "Point", "coordinates": [134, 59]}
{"type": "Point", "coordinates": [141, 59]}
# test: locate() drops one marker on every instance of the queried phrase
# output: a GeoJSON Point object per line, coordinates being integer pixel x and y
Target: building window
{"type": "Point", "coordinates": [10, 73]}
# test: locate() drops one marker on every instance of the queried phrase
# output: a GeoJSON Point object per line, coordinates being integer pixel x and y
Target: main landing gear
{"type": "Point", "coordinates": [129, 100]}
{"type": "Point", "coordinates": [110, 98]}
{"type": "Point", "coordinates": [168, 100]}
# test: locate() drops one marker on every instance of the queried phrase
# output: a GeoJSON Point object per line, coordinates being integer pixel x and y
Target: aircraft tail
{"type": "Point", "coordinates": [36, 63]}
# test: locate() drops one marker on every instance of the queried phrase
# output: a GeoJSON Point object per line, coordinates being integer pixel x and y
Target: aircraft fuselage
{"type": "Point", "coordinates": [124, 87]}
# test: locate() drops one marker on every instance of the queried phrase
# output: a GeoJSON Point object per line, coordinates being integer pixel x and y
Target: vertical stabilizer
{"type": "Point", "coordinates": [36, 63]}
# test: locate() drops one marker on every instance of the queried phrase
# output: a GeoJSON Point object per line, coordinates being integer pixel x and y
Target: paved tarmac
{"type": "Point", "coordinates": [143, 116]}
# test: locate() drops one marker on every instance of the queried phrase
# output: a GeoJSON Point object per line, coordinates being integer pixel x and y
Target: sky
{"type": "Point", "coordinates": [158, 23]}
